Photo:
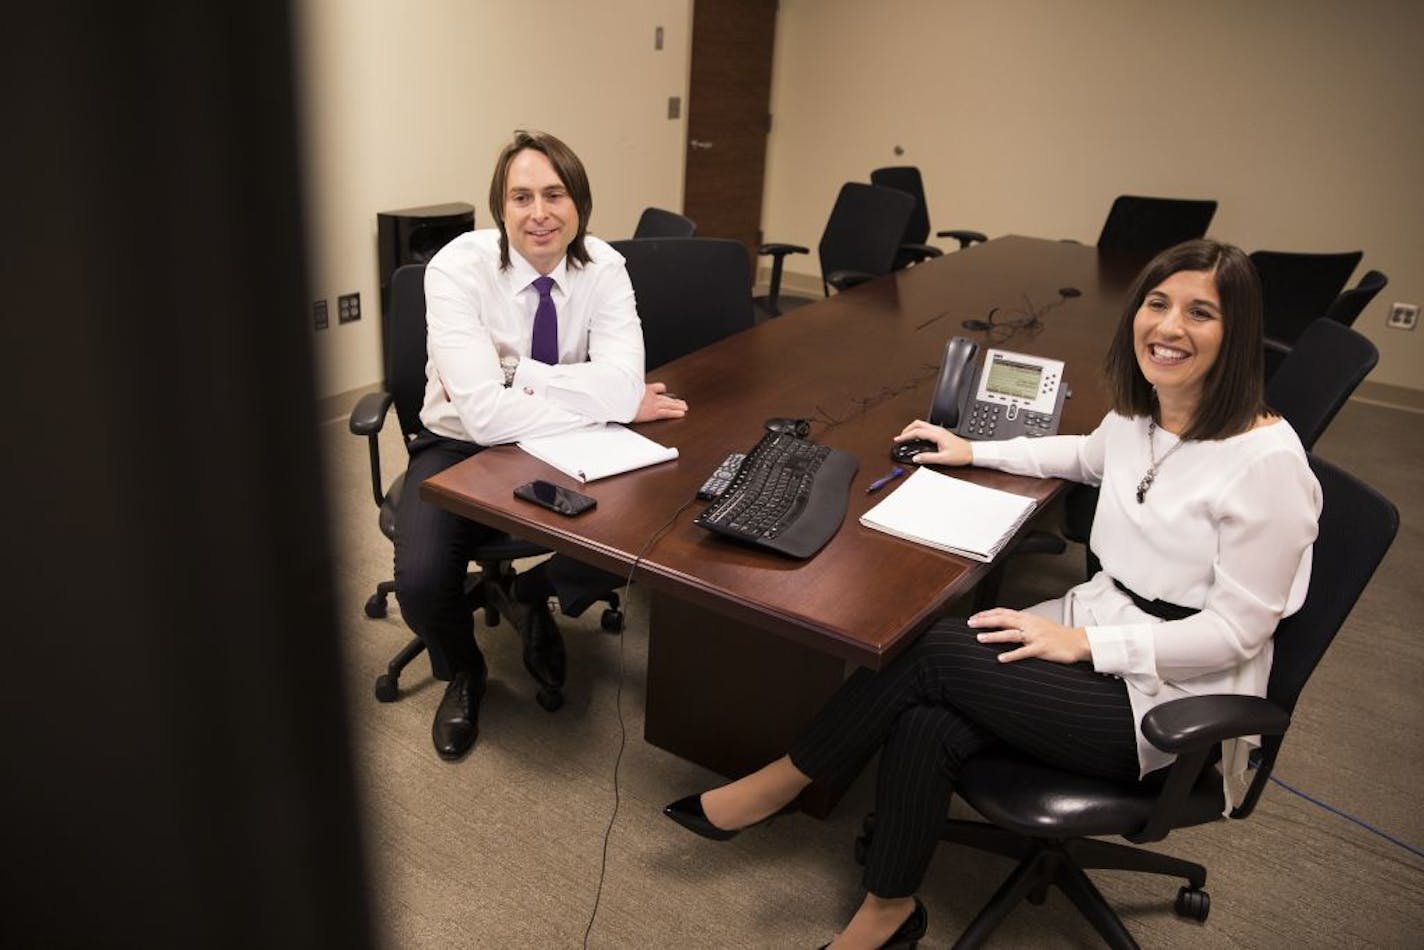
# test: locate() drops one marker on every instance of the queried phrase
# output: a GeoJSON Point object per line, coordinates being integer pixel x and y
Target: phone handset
{"type": "Point", "coordinates": [956, 378]}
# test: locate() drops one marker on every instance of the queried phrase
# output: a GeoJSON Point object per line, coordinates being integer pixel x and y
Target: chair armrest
{"type": "Point", "coordinates": [846, 279]}
{"type": "Point", "coordinates": [1199, 722]}
{"type": "Point", "coordinates": [1191, 727]}
{"type": "Point", "coordinates": [781, 250]}
{"type": "Point", "coordinates": [965, 238]}
{"type": "Point", "coordinates": [919, 253]}
{"type": "Point", "coordinates": [368, 417]}
{"type": "Point", "coordinates": [369, 414]}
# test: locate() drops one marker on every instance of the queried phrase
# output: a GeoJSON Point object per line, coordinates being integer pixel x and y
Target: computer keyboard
{"type": "Point", "coordinates": [789, 496]}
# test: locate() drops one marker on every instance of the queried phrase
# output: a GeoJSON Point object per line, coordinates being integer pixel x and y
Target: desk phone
{"type": "Point", "coordinates": [1012, 394]}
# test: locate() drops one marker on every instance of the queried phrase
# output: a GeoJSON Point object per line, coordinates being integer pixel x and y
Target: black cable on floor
{"type": "Point", "coordinates": [1348, 817]}
{"type": "Point", "coordinates": [622, 729]}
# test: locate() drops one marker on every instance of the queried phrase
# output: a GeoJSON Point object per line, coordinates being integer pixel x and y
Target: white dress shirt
{"type": "Point", "coordinates": [477, 313]}
{"type": "Point", "coordinates": [1227, 527]}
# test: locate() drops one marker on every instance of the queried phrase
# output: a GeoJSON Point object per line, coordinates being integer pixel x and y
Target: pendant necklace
{"type": "Point", "coordinates": [1151, 473]}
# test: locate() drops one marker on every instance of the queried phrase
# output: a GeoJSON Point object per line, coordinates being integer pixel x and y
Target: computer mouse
{"type": "Point", "coordinates": [797, 427]}
{"type": "Point", "coordinates": [904, 452]}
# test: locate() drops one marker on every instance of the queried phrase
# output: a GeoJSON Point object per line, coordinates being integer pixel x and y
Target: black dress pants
{"type": "Point", "coordinates": [944, 699]}
{"type": "Point", "coordinates": [433, 549]}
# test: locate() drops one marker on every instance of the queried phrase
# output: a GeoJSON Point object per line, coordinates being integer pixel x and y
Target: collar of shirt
{"type": "Point", "coordinates": [521, 276]}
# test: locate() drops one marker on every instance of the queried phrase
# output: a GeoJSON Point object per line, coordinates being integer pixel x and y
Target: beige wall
{"type": "Point", "coordinates": [1301, 117]}
{"type": "Point", "coordinates": [407, 104]}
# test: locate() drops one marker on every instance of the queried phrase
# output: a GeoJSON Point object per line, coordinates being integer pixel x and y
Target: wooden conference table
{"type": "Point", "coordinates": [745, 645]}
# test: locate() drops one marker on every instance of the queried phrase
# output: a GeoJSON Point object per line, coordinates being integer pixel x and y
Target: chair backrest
{"type": "Point", "coordinates": [655, 223]}
{"type": "Point", "coordinates": [405, 345]}
{"type": "Point", "coordinates": [865, 229]}
{"type": "Point", "coordinates": [907, 178]}
{"type": "Point", "coordinates": [1318, 375]}
{"type": "Point", "coordinates": [1357, 526]}
{"type": "Point", "coordinates": [690, 292]}
{"type": "Point", "coordinates": [1297, 289]}
{"type": "Point", "coordinates": [1352, 301]}
{"type": "Point", "coordinates": [1138, 223]}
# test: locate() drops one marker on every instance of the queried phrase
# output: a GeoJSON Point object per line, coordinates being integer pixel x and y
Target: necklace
{"type": "Point", "coordinates": [1151, 474]}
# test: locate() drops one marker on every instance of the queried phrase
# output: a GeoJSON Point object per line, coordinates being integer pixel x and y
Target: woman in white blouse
{"type": "Point", "coordinates": [1204, 526]}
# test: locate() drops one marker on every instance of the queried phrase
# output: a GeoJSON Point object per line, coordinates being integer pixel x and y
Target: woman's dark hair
{"type": "Point", "coordinates": [570, 171]}
{"type": "Point", "coordinates": [1233, 391]}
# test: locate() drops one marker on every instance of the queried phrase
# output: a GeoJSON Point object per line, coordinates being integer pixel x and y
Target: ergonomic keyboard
{"type": "Point", "coordinates": [789, 496]}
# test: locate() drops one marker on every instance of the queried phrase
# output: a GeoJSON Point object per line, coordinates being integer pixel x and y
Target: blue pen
{"type": "Point", "coordinates": [884, 480]}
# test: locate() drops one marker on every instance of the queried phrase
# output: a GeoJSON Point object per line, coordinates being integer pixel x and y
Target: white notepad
{"type": "Point", "coordinates": [950, 514]}
{"type": "Point", "coordinates": [598, 451]}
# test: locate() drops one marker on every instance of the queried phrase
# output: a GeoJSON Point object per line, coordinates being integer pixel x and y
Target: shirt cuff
{"type": "Point", "coordinates": [532, 377]}
{"type": "Point", "coordinates": [1125, 651]}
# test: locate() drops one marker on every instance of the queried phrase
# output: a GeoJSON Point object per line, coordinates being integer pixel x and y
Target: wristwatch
{"type": "Point", "coordinates": [509, 364]}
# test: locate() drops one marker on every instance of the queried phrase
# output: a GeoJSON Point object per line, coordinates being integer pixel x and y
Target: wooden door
{"type": "Point", "coordinates": [728, 117]}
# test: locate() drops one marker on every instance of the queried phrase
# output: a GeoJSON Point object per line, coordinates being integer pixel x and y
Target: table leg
{"type": "Point", "coordinates": [731, 697]}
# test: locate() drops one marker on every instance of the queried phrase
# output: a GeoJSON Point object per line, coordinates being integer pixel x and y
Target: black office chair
{"type": "Point", "coordinates": [1353, 300]}
{"type": "Point", "coordinates": [1296, 290]}
{"type": "Point", "coordinates": [913, 247]}
{"type": "Point", "coordinates": [657, 223]}
{"type": "Point", "coordinates": [690, 292]}
{"type": "Point", "coordinates": [1149, 225]}
{"type": "Point", "coordinates": [1048, 819]}
{"type": "Point", "coordinates": [405, 355]}
{"type": "Point", "coordinates": [861, 239]}
{"type": "Point", "coordinates": [1315, 379]}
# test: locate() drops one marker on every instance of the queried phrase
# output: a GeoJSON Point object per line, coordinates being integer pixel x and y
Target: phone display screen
{"type": "Point", "coordinates": [565, 501]}
{"type": "Point", "coordinates": [1015, 380]}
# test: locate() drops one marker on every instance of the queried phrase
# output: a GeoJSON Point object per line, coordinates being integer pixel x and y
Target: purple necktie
{"type": "Point", "coordinates": [545, 346]}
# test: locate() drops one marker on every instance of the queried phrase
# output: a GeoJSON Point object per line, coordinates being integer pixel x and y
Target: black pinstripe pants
{"type": "Point", "coordinates": [946, 698]}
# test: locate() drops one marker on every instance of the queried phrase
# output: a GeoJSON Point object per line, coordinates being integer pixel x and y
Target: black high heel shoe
{"type": "Point", "coordinates": [688, 813]}
{"type": "Point", "coordinates": [908, 934]}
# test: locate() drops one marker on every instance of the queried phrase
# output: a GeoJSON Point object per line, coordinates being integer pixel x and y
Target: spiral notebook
{"type": "Point", "coordinates": [598, 451]}
{"type": "Point", "coordinates": [951, 514]}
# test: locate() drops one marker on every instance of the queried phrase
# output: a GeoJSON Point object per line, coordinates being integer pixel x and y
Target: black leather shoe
{"type": "Point", "coordinates": [543, 645]}
{"type": "Point", "coordinates": [908, 934]}
{"type": "Point", "coordinates": [457, 721]}
{"type": "Point", "coordinates": [688, 813]}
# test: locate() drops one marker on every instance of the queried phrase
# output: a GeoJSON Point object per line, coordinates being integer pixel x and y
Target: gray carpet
{"type": "Point", "coordinates": [505, 849]}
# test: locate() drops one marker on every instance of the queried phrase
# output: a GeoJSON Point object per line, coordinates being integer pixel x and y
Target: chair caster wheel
{"type": "Point", "coordinates": [1193, 903]}
{"type": "Point", "coordinates": [375, 606]}
{"type": "Point", "coordinates": [387, 690]}
{"type": "Point", "coordinates": [612, 620]}
{"type": "Point", "coordinates": [550, 699]}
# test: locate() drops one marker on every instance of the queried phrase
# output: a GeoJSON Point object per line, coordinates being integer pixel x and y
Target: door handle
{"type": "Point", "coordinates": [699, 144]}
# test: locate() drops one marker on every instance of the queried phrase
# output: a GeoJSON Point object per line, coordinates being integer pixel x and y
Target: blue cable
{"type": "Point", "coordinates": [1348, 817]}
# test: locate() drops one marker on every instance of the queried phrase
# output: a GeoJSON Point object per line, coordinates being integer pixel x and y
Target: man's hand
{"type": "Point", "coordinates": [953, 450]}
{"type": "Point", "coordinates": [1037, 636]}
{"type": "Point", "coordinates": [657, 404]}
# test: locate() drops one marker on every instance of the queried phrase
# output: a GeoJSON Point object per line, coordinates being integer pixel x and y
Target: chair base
{"type": "Point", "coordinates": [387, 688]}
{"type": "Point", "coordinates": [1045, 863]}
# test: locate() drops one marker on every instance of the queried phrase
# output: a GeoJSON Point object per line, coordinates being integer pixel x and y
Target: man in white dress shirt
{"type": "Point", "coordinates": [531, 331]}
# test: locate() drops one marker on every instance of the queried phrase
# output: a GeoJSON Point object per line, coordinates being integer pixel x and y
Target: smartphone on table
{"type": "Point", "coordinates": [556, 498]}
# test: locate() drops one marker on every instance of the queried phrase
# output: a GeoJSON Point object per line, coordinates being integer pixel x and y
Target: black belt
{"type": "Point", "coordinates": [1157, 608]}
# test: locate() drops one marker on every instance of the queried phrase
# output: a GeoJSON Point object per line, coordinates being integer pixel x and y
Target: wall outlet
{"type": "Point", "coordinates": [1403, 316]}
{"type": "Point", "coordinates": [348, 308]}
{"type": "Point", "coordinates": [319, 317]}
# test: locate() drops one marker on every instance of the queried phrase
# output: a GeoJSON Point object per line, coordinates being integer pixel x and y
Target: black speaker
{"type": "Point", "coordinates": [414, 235]}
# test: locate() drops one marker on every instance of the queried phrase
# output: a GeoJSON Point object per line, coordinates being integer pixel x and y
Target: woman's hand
{"type": "Point", "coordinates": [1037, 635]}
{"type": "Point", "coordinates": [952, 450]}
{"type": "Point", "coordinates": [657, 404]}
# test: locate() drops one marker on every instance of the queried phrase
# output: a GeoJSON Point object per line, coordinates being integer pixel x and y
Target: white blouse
{"type": "Point", "coordinates": [1227, 528]}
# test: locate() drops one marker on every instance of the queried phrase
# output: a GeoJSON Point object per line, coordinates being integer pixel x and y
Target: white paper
{"type": "Point", "coordinates": [950, 514]}
{"type": "Point", "coordinates": [598, 451]}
